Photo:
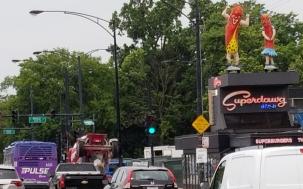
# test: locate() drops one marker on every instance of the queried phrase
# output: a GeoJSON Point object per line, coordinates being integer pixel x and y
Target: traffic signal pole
{"type": "Point", "coordinates": [150, 124]}
{"type": "Point", "coordinates": [152, 150]}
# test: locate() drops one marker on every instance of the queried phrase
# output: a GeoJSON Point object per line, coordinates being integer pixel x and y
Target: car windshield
{"type": "Point", "coordinates": [76, 167]}
{"type": "Point", "coordinates": [8, 174]}
{"type": "Point", "coordinates": [150, 175]}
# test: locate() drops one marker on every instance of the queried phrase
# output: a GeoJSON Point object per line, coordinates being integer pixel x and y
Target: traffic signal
{"type": "Point", "coordinates": [151, 126]}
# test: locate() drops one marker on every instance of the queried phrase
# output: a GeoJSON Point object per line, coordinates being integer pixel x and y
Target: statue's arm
{"type": "Point", "coordinates": [224, 13]}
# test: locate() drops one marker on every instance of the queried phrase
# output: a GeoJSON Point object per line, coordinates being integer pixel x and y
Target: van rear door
{"type": "Point", "coordinates": [282, 168]}
{"type": "Point", "coordinates": [242, 170]}
{"type": "Point", "coordinates": [238, 170]}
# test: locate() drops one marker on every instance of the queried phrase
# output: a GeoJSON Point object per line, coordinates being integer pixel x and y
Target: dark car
{"type": "Point", "coordinates": [143, 178]}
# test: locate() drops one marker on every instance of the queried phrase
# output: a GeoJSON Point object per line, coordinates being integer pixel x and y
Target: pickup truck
{"type": "Point", "coordinates": [77, 175]}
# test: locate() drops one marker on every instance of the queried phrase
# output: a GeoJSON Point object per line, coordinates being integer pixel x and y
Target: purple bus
{"type": "Point", "coordinates": [34, 161]}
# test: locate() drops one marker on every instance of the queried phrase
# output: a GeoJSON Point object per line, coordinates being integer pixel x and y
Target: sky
{"type": "Point", "coordinates": [21, 33]}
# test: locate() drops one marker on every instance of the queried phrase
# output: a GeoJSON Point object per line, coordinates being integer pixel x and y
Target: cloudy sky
{"type": "Point", "coordinates": [21, 33]}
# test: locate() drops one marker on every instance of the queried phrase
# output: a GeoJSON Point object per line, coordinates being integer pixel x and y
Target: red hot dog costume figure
{"type": "Point", "coordinates": [269, 33]}
{"type": "Point", "coordinates": [231, 33]}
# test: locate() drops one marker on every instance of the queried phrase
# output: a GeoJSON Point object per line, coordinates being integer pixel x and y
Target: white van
{"type": "Point", "coordinates": [268, 168]}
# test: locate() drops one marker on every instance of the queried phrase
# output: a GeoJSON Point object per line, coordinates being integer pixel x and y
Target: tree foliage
{"type": "Point", "coordinates": [156, 71]}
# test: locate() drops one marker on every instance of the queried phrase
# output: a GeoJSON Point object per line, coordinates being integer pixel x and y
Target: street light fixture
{"type": "Point", "coordinates": [96, 20]}
{"type": "Point", "coordinates": [39, 52]}
{"type": "Point", "coordinates": [96, 50]}
{"type": "Point", "coordinates": [18, 60]}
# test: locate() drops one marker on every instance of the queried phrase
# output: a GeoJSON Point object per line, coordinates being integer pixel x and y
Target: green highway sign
{"type": "Point", "coordinates": [88, 122]}
{"type": "Point", "coordinates": [9, 131]}
{"type": "Point", "coordinates": [40, 119]}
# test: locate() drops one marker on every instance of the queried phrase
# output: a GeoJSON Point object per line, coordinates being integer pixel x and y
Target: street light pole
{"type": "Point", "coordinates": [66, 106]}
{"type": "Point", "coordinates": [80, 83]}
{"type": "Point", "coordinates": [117, 97]}
{"type": "Point", "coordinates": [67, 122]}
{"type": "Point", "coordinates": [96, 20]}
{"type": "Point", "coordinates": [30, 99]}
{"type": "Point", "coordinates": [80, 90]}
{"type": "Point", "coordinates": [30, 90]}
{"type": "Point", "coordinates": [32, 107]}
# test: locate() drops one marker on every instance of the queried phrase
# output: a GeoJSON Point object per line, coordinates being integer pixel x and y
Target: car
{"type": "Point", "coordinates": [142, 177]}
{"type": "Point", "coordinates": [113, 165]}
{"type": "Point", "coordinates": [9, 178]}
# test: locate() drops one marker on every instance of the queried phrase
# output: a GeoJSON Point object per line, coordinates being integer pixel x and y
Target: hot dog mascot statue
{"type": "Point", "coordinates": [269, 33]}
{"type": "Point", "coordinates": [234, 21]}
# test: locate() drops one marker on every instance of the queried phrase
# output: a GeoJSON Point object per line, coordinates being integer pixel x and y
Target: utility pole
{"type": "Point", "coordinates": [198, 63]}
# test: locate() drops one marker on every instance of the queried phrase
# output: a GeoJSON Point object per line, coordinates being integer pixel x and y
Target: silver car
{"type": "Point", "coordinates": [9, 178]}
{"type": "Point", "coordinates": [127, 177]}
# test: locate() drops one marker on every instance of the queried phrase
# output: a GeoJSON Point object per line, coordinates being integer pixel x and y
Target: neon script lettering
{"type": "Point", "coordinates": [34, 170]}
{"type": "Point", "coordinates": [245, 98]}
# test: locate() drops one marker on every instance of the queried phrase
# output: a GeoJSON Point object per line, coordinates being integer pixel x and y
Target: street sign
{"type": "Point", "coordinates": [200, 124]}
{"type": "Point", "coordinates": [9, 131]}
{"type": "Point", "coordinates": [205, 142]}
{"type": "Point", "coordinates": [89, 122]}
{"type": "Point", "coordinates": [201, 155]}
{"type": "Point", "coordinates": [40, 119]}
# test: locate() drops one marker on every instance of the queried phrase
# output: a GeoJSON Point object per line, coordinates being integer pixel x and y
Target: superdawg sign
{"type": "Point", "coordinates": [243, 99]}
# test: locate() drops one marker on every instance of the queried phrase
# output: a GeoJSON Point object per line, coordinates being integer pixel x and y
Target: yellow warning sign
{"type": "Point", "coordinates": [200, 124]}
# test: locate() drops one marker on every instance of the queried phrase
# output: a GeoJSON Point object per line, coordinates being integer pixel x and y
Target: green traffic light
{"type": "Point", "coordinates": [151, 130]}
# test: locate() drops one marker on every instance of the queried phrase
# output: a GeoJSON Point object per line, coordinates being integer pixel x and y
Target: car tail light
{"type": "Point", "coordinates": [173, 178]}
{"type": "Point", "coordinates": [301, 150]}
{"type": "Point", "coordinates": [17, 183]}
{"type": "Point", "coordinates": [61, 182]}
{"type": "Point", "coordinates": [128, 180]}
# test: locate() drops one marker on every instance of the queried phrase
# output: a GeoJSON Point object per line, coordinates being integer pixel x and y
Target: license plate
{"type": "Point", "coordinates": [71, 187]}
{"type": "Point", "coordinates": [151, 187]}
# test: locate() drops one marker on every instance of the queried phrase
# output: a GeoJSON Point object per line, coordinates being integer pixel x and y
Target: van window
{"type": "Point", "coordinates": [218, 177]}
{"type": "Point", "coordinates": [242, 172]}
{"type": "Point", "coordinates": [283, 170]}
